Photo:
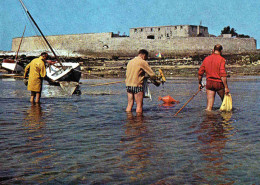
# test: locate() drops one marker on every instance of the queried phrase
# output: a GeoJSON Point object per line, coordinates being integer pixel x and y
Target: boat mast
{"type": "Point", "coordinates": [40, 32]}
{"type": "Point", "coordinates": [19, 45]}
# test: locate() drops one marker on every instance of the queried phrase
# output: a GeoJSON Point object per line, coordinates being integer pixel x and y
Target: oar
{"type": "Point", "coordinates": [188, 101]}
{"type": "Point", "coordinates": [107, 83]}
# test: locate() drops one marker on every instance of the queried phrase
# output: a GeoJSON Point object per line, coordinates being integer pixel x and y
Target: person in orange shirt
{"type": "Point", "coordinates": [135, 72]}
{"type": "Point", "coordinates": [216, 76]}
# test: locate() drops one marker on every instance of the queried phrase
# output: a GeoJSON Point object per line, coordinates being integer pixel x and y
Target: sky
{"type": "Point", "coordinates": [57, 17]}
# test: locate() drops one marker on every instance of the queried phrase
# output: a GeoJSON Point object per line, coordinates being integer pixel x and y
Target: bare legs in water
{"type": "Point", "coordinates": [138, 98]}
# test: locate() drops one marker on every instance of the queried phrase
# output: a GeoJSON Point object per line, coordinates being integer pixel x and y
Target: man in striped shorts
{"type": "Point", "coordinates": [135, 71]}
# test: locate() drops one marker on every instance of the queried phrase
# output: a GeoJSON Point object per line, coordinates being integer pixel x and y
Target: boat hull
{"type": "Point", "coordinates": [11, 66]}
{"type": "Point", "coordinates": [67, 72]}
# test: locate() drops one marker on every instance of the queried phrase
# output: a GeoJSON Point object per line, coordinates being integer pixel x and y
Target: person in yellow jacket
{"type": "Point", "coordinates": [37, 71]}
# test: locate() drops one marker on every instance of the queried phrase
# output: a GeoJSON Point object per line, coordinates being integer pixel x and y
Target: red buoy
{"type": "Point", "coordinates": [168, 99]}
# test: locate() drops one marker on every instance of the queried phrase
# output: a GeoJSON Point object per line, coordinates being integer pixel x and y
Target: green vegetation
{"type": "Point", "coordinates": [232, 31]}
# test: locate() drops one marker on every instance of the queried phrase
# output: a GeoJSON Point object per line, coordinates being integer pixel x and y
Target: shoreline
{"type": "Point", "coordinates": [182, 66]}
{"type": "Point", "coordinates": [169, 71]}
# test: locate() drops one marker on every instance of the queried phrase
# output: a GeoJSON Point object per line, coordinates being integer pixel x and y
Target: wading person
{"type": "Point", "coordinates": [36, 70]}
{"type": "Point", "coordinates": [216, 76]}
{"type": "Point", "coordinates": [135, 71]}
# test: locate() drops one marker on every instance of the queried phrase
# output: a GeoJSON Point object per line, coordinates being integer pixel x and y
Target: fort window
{"type": "Point", "coordinates": [150, 37]}
{"type": "Point", "coordinates": [135, 30]}
{"type": "Point", "coordinates": [141, 29]}
{"type": "Point", "coordinates": [181, 27]}
{"type": "Point", "coordinates": [151, 29]}
{"type": "Point", "coordinates": [159, 29]}
{"type": "Point", "coordinates": [175, 27]}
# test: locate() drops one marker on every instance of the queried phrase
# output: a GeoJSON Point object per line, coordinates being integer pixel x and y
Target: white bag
{"type": "Point", "coordinates": [147, 93]}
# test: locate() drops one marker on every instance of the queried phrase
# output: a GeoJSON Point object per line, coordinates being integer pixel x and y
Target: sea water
{"type": "Point", "coordinates": [90, 139]}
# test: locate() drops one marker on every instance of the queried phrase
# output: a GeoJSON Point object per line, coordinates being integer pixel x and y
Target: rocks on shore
{"type": "Point", "coordinates": [242, 64]}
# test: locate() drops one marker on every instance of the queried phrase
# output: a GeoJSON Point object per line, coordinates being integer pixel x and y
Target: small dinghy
{"type": "Point", "coordinates": [68, 71]}
{"type": "Point", "coordinates": [11, 66]}
{"type": "Point", "coordinates": [14, 66]}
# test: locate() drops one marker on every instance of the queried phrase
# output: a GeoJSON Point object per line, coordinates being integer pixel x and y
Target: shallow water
{"type": "Point", "coordinates": [89, 139]}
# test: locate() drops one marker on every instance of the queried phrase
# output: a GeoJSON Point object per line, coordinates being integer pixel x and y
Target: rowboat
{"type": "Point", "coordinates": [68, 71]}
{"type": "Point", "coordinates": [11, 66]}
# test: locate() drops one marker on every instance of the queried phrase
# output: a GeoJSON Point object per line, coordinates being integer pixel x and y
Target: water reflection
{"type": "Point", "coordinates": [136, 147]}
{"type": "Point", "coordinates": [34, 117]}
{"type": "Point", "coordinates": [168, 105]}
{"type": "Point", "coordinates": [52, 91]}
{"type": "Point", "coordinates": [214, 132]}
{"type": "Point", "coordinates": [38, 148]}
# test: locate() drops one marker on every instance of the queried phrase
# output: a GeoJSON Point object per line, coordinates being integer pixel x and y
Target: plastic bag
{"type": "Point", "coordinates": [227, 103]}
{"type": "Point", "coordinates": [147, 93]}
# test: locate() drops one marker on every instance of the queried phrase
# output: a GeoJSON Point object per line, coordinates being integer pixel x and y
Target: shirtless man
{"type": "Point", "coordinates": [216, 76]}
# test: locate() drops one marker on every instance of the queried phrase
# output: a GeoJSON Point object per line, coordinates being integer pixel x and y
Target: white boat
{"type": "Point", "coordinates": [68, 71]}
{"type": "Point", "coordinates": [11, 66]}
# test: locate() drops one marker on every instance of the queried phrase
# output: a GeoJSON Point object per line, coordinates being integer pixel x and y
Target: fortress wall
{"type": "Point", "coordinates": [61, 42]}
{"type": "Point", "coordinates": [104, 45]}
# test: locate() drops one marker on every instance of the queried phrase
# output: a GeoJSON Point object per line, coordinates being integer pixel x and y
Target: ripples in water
{"type": "Point", "coordinates": [89, 139]}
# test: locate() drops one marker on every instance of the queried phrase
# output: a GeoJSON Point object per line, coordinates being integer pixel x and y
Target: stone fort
{"type": "Point", "coordinates": [168, 40]}
{"type": "Point", "coordinates": [168, 32]}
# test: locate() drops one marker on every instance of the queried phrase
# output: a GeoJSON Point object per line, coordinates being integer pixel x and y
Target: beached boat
{"type": "Point", "coordinates": [11, 66]}
{"type": "Point", "coordinates": [14, 66]}
{"type": "Point", "coordinates": [68, 71]}
{"type": "Point", "coordinates": [61, 71]}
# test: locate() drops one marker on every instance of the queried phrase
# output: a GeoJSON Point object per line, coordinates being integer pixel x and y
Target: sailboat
{"type": "Point", "coordinates": [11, 66]}
{"type": "Point", "coordinates": [60, 71]}
{"type": "Point", "coordinates": [14, 66]}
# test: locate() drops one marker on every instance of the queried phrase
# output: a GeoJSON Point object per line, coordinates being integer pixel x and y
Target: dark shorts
{"type": "Point", "coordinates": [33, 93]}
{"type": "Point", "coordinates": [134, 90]}
{"type": "Point", "coordinates": [214, 86]}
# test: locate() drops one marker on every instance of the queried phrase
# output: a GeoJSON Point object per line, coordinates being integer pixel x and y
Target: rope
{"type": "Point", "coordinates": [107, 83]}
